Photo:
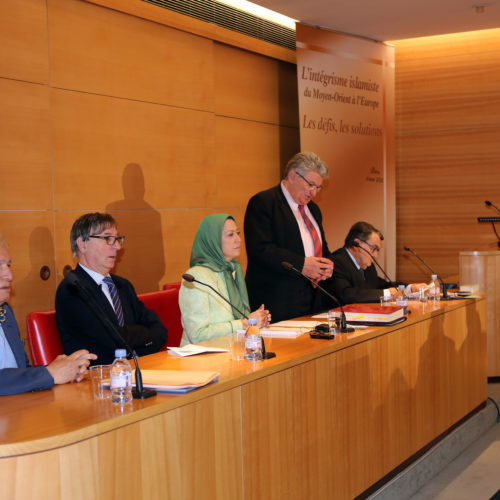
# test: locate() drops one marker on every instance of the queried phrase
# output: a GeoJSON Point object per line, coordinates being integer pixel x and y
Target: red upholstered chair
{"type": "Point", "coordinates": [165, 303]}
{"type": "Point", "coordinates": [170, 286]}
{"type": "Point", "coordinates": [43, 337]}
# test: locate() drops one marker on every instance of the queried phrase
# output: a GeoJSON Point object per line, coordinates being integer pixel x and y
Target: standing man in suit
{"type": "Point", "coordinates": [95, 241]}
{"type": "Point", "coordinates": [355, 277]}
{"type": "Point", "coordinates": [283, 224]}
{"type": "Point", "coordinates": [16, 374]}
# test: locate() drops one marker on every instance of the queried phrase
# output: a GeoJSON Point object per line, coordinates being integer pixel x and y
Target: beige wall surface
{"type": "Point", "coordinates": [107, 111]}
{"type": "Point", "coordinates": [447, 154]}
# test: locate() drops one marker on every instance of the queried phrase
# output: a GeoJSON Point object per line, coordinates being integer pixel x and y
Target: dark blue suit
{"type": "Point", "coordinates": [25, 378]}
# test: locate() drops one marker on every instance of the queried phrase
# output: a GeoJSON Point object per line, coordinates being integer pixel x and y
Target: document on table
{"type": "Point", "coordinates": [176, 381]}
{"type": "Point", "coordinates": [289, 329]}
{"type": "Point", "coordinates": [193, 349]}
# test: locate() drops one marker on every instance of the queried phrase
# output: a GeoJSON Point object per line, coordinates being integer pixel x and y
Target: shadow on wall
{"type": "Point", "coordinates": [141, 260]}
{"type": "Point", "coordinates": [33, 293]}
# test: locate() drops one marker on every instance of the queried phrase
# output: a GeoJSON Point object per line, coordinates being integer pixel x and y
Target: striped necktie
{"type": "Point", "coordinates": [318, 251]}
{"type": "Point", "coordinates": [116, 300]}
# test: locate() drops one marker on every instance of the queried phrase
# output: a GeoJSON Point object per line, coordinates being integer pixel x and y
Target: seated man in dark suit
{"type": "Point", "coordinates": [283, 224]}
{"type": "Point", "coordinates": [95, 241]}
{"type": "Point", "coordinates": [355, 277]}
{"type": "Point", "coordinates": [16, 374]}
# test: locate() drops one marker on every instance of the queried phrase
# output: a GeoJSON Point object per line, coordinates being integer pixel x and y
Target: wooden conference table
{"type": "Point", "coordinates": [324, 419]}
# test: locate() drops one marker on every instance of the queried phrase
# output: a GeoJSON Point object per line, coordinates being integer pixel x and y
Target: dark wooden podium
{"type": "Point", "coordinates": [482, 266]}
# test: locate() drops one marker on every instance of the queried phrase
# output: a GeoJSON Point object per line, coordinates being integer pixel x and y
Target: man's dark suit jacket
{"type": "Point", "coordinates": [347, 282]}
{"type": "Point", "coordinates": [80, 328]}
{"type": "Point", "coordinates": [272, 236]}
{"type": "Point", "coordinates": [25, 378]}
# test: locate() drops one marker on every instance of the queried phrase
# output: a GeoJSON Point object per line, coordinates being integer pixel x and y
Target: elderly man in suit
{"type": "Point", "coordinates": [16, 374]}
{"type": "Point", "coordinates": [283, 224]}
{"type": "Point", "coordinates": [355, 278]}
{"type": "Point", "coordinates": [91, 299]}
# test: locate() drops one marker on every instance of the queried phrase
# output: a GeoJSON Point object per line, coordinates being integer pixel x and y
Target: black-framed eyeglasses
{"type": "Point", "coordinates": [309, 183]}
{"type": "Point", "coordinates": [110, 240]}
{"type": "Point", "coordinates": [374, 248]}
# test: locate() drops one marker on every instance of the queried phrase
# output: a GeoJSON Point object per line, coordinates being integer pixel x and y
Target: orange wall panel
{"type": "Point", "coordinates": [25, 145]}
{"type": "Point", "coordinates": [96, 138]}
{"type": "Point", "coordinates": [102, 51]}
{"type": "Point", "coordinates": [447, 155]}
{"type": "Point", "coordinates": [29, 235]}
{"type": "Point", "coordinates": [253, 87]}
{"type": "Point", "coordinates": [23, 38]}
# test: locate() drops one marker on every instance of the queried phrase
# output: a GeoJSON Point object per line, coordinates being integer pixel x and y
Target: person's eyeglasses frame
{"type": "Point", "coordinates": [110, 239]}
{"type": "Point", "coordinates": [309, 183]}
{"type": "Point", "coordinates": [373, 248]}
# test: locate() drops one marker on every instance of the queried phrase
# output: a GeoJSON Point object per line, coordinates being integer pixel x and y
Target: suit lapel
{"type": "Point", "coordinates": [95, 290]}
{"type": "Point", "coordinates": [11, 331]}
{"type": "Point", "coordinates": [289, 222]}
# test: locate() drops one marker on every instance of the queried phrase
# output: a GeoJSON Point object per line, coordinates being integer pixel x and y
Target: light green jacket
{"type": "Point", "coordinates": [204, 314]}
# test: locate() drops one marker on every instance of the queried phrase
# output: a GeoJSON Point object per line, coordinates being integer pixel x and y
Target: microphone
{"type": "Point", "coordinates": [190, 279]}
{"type": "Point", "coordinates": [343, 323]}
{"type": "Point", "coordinates": [445, 292]}
{"type": "Point", "coordinates": [492, 220]}
{"type": "Point", "coordinates": [491, 205]}
{"type": "Point", "coordinates": [356, 244]}
{"type": "Point", "coordinates": [139, 392]}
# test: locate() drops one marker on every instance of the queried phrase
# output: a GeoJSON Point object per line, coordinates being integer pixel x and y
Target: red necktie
{"type": "Point", "coordinates": [318, 251]}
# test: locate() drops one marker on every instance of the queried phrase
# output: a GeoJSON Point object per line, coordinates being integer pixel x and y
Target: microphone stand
{"type": "Point", "coordinates": [343, 322]}
{"type": "Point", "coordinates": [139, 392]}
{"type": "Point", "coordinates": [356, 244]}
{"type": "Point", "coordinates": [190, 279]}
{"type": "Point", "coordinates": [493, 221]}
{"type": "Point", "coordinates": [445, 292]}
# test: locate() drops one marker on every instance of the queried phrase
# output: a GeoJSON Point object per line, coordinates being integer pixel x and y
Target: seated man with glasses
{"type": "Point", "coordinates": [283, 224]}
{"type": "Point", "coordinates": [90, 294]}
{"type": "Point", "coordinates": [355, 277]}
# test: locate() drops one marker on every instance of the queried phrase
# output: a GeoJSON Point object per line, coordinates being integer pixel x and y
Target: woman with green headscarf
{"type": "Point", "coordinates": [205, 315]}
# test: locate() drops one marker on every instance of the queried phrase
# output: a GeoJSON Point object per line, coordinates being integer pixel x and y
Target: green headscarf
{"type": "Point", "coordinates": [207, 252]}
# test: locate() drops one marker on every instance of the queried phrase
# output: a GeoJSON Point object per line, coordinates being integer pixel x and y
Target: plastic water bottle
{"type": "Point", "coordinates": [253, 341]}
{"type": "Point", "coordinates": [434, 288]}
{"type": "Point", "coordinates": [402, 298]}
{"type": "Point", "coordinates": [121, 379]}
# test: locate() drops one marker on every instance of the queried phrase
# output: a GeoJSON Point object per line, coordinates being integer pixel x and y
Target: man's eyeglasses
{"type": "Point", "coordinates": [374, 248]}
{"type": "Point", "coordinates": [310, 184]}
{"type": "Point", "coordinates": [110, 240]}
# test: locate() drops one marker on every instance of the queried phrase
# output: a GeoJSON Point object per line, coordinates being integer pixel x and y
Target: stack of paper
{"type": "Point", "coordinates": [179, 381]}
{"type": "Point", "coordinates": [287, 329]}
{"type": "Point", "coordinates": [192, 349]}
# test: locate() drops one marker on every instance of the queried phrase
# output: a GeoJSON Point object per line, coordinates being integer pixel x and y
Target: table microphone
{"type": "Point", "coordinates": [139, 392]}
{"type": "Point", "coordinates": [343, 323]}
{"type": "Point", "coordinates": [356, 244]}
{"type": "Point", "coordinates": [445, 292]}
{"type": "Point", "coordinates": [190, 278]}
{"type": "Point", "coordinates": [491, 205]}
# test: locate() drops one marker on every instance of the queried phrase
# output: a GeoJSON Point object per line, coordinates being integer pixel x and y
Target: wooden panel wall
{"type": "Point", "coordinates": [447, 154]}
{"type": "Point", "coordinates": [107, 111]}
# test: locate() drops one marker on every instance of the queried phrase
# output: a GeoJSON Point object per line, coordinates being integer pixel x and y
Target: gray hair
{"type": "Point", "coordinates": [88, 225]}
{"type": "Point", "coordinates": [306, 162]}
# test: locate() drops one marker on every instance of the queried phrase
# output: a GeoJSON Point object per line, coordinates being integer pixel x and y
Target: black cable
{"type": "Point", "coordinates": [496, 406]}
